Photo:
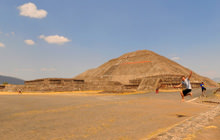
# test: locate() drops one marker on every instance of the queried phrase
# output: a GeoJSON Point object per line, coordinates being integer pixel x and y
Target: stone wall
{"type": "Point", "coordinates": [163, 82]}
{"type": "Point", "coordinates": [61, 84]}
{"type": "Point", "coordinates": [68, 84]}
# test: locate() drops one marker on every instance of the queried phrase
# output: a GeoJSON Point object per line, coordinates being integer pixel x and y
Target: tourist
{"type": "Point", "coordinates": [19, 91]}
{"type": "Point", "coordinates": [202, 85]}
{"type": "Point", "coordinates": [188, 88]}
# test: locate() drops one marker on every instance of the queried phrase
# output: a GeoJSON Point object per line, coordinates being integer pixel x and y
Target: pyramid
{"type": "Point", "coordinates": [142, 70]}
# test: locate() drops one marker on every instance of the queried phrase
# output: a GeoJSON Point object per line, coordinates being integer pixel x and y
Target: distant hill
{"type": "Point", "coordinates": [11, 80]}
{"type": "Point", "coordinates": [217, 79]}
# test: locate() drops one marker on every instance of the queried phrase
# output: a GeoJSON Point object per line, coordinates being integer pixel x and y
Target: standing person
{"type": "Point", "coordinates": [188, 88]}
{"type": "Point", "coordinates": [202, 85]}
{"type": "Point", "coordinates": [19, 91]}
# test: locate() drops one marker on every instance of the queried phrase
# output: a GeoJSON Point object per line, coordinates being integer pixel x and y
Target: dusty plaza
{"type": "Point", "coordinates": [74, 116]}
{"type": "Point", "coordinates": [132, 97]}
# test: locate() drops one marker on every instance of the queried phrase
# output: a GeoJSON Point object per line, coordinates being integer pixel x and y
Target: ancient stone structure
{"type": "Point", "coordinates": [218, 90]}
{"type": "Point", "coordinates": [143, 70]}
{"type": "Point", "coordinates": [163, 82]}
{"type": "Point", "coordinates": [61, 84]}
{"type": "Point", "coordinates": [140, 70]}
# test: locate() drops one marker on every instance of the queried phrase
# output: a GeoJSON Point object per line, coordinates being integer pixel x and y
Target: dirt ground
{"type": "Point", "coordinates": [210, 132]}
{"type": "Point", "coordinates": [85, 116]}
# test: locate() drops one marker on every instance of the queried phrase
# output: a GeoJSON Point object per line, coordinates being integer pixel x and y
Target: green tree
{"type": "Point", "coordinates": [5, 83]}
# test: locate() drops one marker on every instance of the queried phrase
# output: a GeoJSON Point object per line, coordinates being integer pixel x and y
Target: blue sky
{"type": "Point", "coordinates": [53, 38]}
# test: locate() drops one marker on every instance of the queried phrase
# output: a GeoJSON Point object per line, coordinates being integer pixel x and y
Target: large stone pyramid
{"type": "Point", "coordinates": [140, 70]}
{"type": "Point", "coordinates": [143, 70]}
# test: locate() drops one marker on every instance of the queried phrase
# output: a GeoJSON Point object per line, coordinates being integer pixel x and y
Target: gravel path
{"type": "Point", "coordinates": [192, 125]}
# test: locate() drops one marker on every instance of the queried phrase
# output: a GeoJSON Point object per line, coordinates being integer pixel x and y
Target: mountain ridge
{"type": "Point", "coordinates": [11, 80]}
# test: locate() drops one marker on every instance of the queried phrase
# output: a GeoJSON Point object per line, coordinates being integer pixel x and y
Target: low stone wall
{"type": "Point", "coordinates": [12, 88]}
{"type": "Point", "coordinates": [150, 83]}
{"type": "Point", "coordinates": [53, 85]}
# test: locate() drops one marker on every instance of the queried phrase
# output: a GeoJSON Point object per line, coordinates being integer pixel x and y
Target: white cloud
{"type": "Point", "coordinates": [175, 58]}
{"type": "Point", "coordinates": [8, 34]}
{"type": "Point", "coordinates": [24, 70]}
{"type": "Point", "coordinates": [54, 39]}
{"type": "Point", "coordinates": [41, 36]}
{"type": "Point", "coordinates": [2, 45]}
{"type": "Point", "coordinates": [29, 42]}
{"type": "Point", "coordinates": [30, 10]}
{"type": "Point", "coordinates": [47, 69]}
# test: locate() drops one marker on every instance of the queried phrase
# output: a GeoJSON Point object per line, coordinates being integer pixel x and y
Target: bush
{"type": "Point", "coordinates": [5, 83]}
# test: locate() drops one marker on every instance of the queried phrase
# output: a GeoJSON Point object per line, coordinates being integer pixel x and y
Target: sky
{"type": "Point", "coordinates": [54, 38]}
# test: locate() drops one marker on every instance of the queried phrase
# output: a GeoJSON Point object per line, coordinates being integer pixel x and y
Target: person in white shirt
{"type": "Point", "coordinates": [188, 88]}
